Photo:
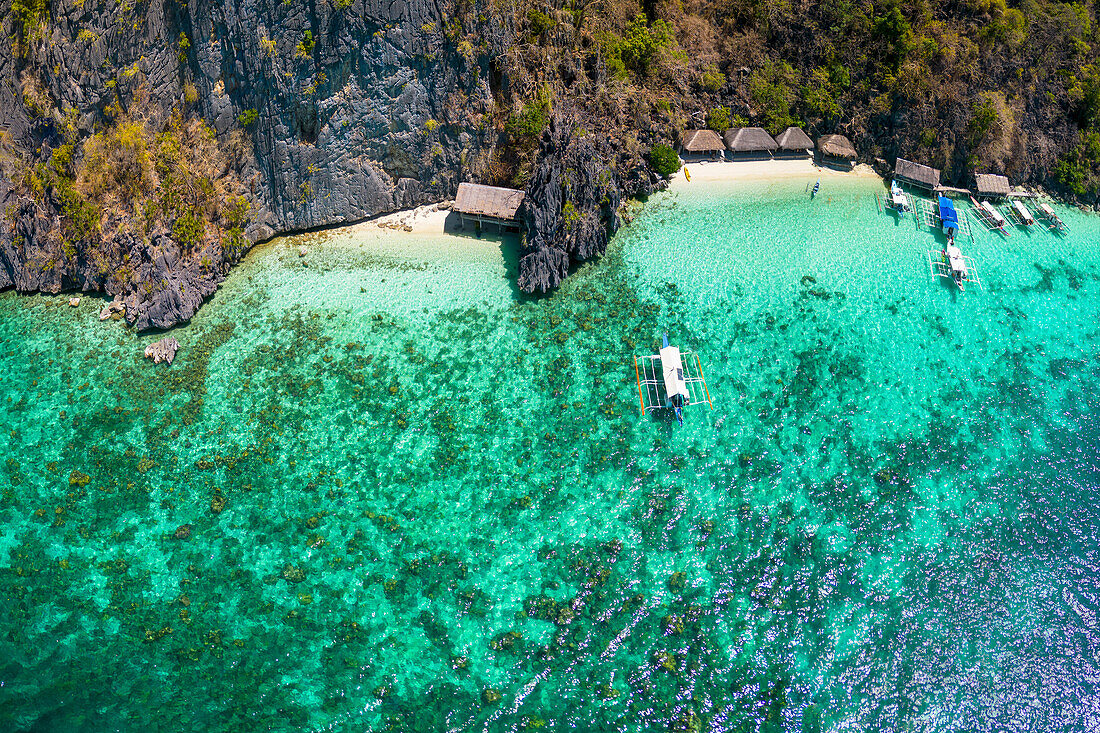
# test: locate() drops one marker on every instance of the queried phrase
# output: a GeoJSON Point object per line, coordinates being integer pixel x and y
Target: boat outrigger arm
{"type": "Point", "coordinates": [679, 383]}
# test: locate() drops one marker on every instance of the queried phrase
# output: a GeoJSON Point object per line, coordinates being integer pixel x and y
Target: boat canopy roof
{"type": "Point", "coordinates": [947, 211]}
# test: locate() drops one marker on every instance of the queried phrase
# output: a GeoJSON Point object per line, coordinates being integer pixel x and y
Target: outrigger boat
{"type": "Point", "coordinates": [1021, 214]}
{"type": "Point", "coordinates": [899, 201]}
{"type": "Point", "coordinates": [949, 262]}
{"type": "Point", "coordinates": [817, 187]}
{"type": "Point", "coordinates": [949, 217]}
{"type": "Point", "coordinates": [989, 216]}
{"type": "Point", "coordinates": [680, 383]}
{"type": "Point", "coordinates": [1053, 221]}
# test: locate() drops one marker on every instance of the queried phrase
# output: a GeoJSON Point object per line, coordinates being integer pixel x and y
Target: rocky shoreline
{"type": "Point", "coordinates": [315, 116]}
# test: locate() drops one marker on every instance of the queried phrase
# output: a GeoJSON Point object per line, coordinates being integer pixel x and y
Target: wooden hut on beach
{"type": "Point", "coordinates": [702, 143]}
{"type": "Point", "coordinates": [794, 142]}
{"type": "Point", "coordinates": [493, 204]}
{"type": "Point", "coordinates": [837, 150]}
{"type": "Point", "coordinates": [750, 142]}
{"type": "Point", "coordinates": [915, 174]}
{"type": "Point", "coordinates": [992, 186]}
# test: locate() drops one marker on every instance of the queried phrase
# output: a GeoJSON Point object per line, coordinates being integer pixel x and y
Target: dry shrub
{"type": "Point", "coordinates": [117, 164]}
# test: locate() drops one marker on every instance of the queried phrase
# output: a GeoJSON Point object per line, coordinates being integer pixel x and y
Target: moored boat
{"type": "Point", "coordinates": [899, 201]}
{"type": "Point", "coordinates": [1023, 215]}
{"type": "Point", "coordinates": [949, 217]}
{"type": "Point", "coordinates": [1053, 220]}
{"type": "Point", "coordinates": [956, 264]}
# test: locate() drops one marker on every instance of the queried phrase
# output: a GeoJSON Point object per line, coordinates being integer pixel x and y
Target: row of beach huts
{"type": "Point", "coordinates": [755, 142]}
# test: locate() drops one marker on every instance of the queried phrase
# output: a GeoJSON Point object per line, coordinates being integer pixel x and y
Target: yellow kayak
{"type": "Point", "coordinates": [686, 174]}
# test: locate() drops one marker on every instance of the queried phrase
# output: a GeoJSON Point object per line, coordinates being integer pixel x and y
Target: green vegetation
{"type": "Point", "coordinates": [1079, 169]}
{"type": "Point", "coordinates": [532, 119]}
{"type": "Point", "coordinates": [718, 119]}
{"type": "Point", "coordinates": [712, 79]}
{"type": "Point", "coordinates": [304, 49]}
{"type": "Point", "coordinates": [639, 48]}
{"type": "Point", "coordinates": [984, 122]}
{"type": "Point", "coordinates": [570, 215]}
{"type": "Point", "coordinates": [184, 46]}
{"type": "Point", "coordinates": [28, 16]}
{"type": "Point", "coordinates": [188, 230]}
{"type": "Point", "coordinates": [772, 89]}
{"type": "Point", "coordinates": [664, 160]}
{"type": "Point", "coordinates": [135, 173]}
{"type": "Point", "coordinates": [539, 21]}
{"type": "Point", "coordinates": [248, 117]}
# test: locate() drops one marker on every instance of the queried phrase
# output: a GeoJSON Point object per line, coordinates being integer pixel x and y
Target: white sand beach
{"type": "Point", "coordinates": [429, 219]}
{"type": "Point", "coordinates": [759, 170]}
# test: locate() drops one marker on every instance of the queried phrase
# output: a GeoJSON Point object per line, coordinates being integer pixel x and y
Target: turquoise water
{"type": "Point", "coordinates": [418, 501]}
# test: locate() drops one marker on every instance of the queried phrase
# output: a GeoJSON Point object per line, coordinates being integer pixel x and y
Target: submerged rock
{"type": "Point", "coordinates": [183, 532]}
{"type": "Point", "coordinates": [114, 309]}
{"type": "Point", "coordinates": [163, 350]}
{"type": "Point", "coordinates": [293, 574]}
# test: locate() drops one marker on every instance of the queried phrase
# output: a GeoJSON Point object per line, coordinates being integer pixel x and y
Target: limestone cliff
{"type": "Point", "coordinates": [346, 110]}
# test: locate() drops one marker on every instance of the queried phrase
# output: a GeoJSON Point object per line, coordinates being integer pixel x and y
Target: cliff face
{"type": "Point", "coordinates": [134, 131]}
{"type": "Point", "coordinates": [573, 197]}
{"type": "Point", "coordinates": [347, 112]}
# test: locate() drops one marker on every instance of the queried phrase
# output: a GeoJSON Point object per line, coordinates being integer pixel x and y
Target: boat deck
{"type": "Point", "coordinates": [651, 383]}
{"type": "Point", "coordinates": [939, 268]}
{"type": "Point", "coordinates": [988, 221]}
{"type": "Point", "coordinates": [928, 215]}
{"type": "Point", "coordinates": [1018, 218]}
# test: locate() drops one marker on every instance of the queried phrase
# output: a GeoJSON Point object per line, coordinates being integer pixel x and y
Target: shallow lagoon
{"type": "Point", "coordinates": [418, 501]}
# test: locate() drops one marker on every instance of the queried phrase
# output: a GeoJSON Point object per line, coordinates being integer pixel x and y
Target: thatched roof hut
{"type": "Point", "coordinates": [794, 139]}
{"type": "Point", "coordinates": [749, 140]}
{"type": "Point", "coordinates": [701, 141]}
{"type": "Point", "coordinates": [916, 174]}
{"type": "Point", "coordinates": [991, 185]}
{"type": "Point", "coordinates": [480, 203]}
{"type": "Point", "coordinates": [836, 146]}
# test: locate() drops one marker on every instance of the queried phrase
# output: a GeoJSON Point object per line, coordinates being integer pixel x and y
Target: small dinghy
{"type": "Point", "coordinates": [817, 187]}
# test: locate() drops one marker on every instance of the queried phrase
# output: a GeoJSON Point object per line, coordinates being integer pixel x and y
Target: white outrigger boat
{"type": "Point", "coordinates": [899, 200]}
{"type": "Point", "coordinates": [950, 263]}
{"type": "Point", "coordinates": [989, 216]}
{"type": "Point", "coordinates": [679, 385]}
{"type": "Point", "coordinates": [1022, 214]}
{"type": "Point", "coordinates": [1053, 220]}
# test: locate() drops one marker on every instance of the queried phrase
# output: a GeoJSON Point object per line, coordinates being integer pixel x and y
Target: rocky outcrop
{"type": "Point", "coordinates": [573, 197]}
{"type": "Point", "coordinates": [163, 350]}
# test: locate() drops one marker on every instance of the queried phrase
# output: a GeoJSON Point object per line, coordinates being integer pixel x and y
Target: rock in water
{"type": "Point", "coordinates": [74, 302]}
{"type": "Point", "coordinates": [163, 350]}
{"type": "Point", "coordinates": [112, 308]}
{"type": "Point", "coordinates": [572, 202]}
